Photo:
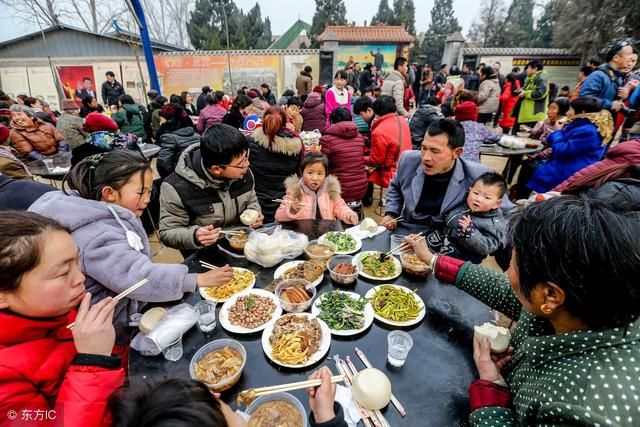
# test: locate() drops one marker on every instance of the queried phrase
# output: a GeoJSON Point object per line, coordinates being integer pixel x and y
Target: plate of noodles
{"type": "Point", "coordinates": [243, 279]}
{"type": "Point", "coordinates": [296, 340]}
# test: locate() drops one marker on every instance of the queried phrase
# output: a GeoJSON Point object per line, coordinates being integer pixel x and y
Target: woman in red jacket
{"type": "Point", "coordinates": [390, 136]}
{"type": "Point", "coordinates": [508, 100]}
{"type": "Point", "coordinates": [344, 147]}
{"type": "Point", "coordinates": [51, 375]}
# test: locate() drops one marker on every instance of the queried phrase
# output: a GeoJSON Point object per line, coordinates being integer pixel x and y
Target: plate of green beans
{"type": "Point", "coordinates": [396, 305]}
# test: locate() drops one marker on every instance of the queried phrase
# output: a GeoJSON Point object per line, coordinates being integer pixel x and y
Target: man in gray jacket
{"type": "Point", "coordinates": [395, 84]}
{"type": "Point", "coordinates": [432, 182]}
{"type": "Point", "coordinates": [210, 188]}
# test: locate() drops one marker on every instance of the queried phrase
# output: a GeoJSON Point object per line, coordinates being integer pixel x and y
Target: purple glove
{"type": "Point", "coordinates": [63, 146]}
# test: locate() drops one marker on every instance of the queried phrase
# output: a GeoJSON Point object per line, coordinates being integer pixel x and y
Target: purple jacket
{"type": "Point", "coordinates": [313, 114]}
{"type": "Point", "coordinates": [210, 115]}
{"type": "Point", "coordinates": [474, 135]}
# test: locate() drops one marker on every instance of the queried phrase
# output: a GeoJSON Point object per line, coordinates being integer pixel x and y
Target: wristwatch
{"type": "Point", "coordinates": [501, 383]}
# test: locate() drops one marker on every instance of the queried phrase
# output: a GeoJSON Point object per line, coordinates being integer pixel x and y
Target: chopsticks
{"type": "Point", "coordinates": [396, 220]}
{"type": "Point", "coordinates": [262, 391]}
{"type": "Point", "coordinates": [231, 232]}
{"type": "Point", "coordinates": [286, 201]}
{"type": "Point", "coordinates": [394, 399]}
{"type": "Point", "coordinates": [364, 413]}
{"type": "Point", "coordinates": [209, 266]}
{"type": "Point", "coordinates": [121, 295]}
{"type": "Point", "coordinates": [404, 245]}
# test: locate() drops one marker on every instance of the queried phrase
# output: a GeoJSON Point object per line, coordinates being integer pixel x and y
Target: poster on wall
{"type": "Point", "coordinates": [77, 81]}
{"type": "Point", "coordinates": [382, 55]}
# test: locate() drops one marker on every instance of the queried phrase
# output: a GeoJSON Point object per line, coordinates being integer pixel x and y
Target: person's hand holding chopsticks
{"type": "Point", "coordinates": [321, 398]}
{"type": "Point", "coordinates": [207, 235]}
{"type": "Point", "coordinates": [93, 331]}
{"type": "Point", "coordinates": [216, 277]}
{"type": "Point", "coordinates": [419, 246]}
{"type": "Point", "coordinates": [389, 222]}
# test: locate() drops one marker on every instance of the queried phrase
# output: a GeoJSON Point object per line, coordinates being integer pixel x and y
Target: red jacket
{"type": "Point", "coordinates": [385, 134]}
{"type": "Point", "coordinates": [344, 146]}
{"type": "Point", "coordinates": [507, 102]}
{"type": "Point", "coordinates": [36, 373]}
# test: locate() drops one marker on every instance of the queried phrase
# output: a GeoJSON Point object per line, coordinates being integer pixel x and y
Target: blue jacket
{"type": "Point", "coordinates": [575, 146]}
{"type": "Point", "coordinates": [406, 187]}
{"type": "Point", "coordinates": [603, 83]}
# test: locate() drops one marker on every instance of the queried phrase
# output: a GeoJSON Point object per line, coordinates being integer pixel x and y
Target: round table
{"type": "Point", "coordinates": [510, 154]}
{"type": "Point", "coordinates": [60, 160]}
{"type": "Point", "coordinates": [432, 385]}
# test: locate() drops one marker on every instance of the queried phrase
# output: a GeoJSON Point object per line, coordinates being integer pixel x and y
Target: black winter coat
{"type": "Point", "coordinates": [623, 194]}
{"type": "Point", "coordinates": [111, 92]}
{"type": "Point", "coordinates": [423, 117]}
{"type": "Point", "coordinates": [20, 194]}
{"type": "Point", "coordinates": [271, 165]}
{"type": "Point", "coordinates": [172, 144]}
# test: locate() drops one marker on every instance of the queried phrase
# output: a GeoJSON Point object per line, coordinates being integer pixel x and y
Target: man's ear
{"type": "Point", "coordinates": [215, 170]}
{"type": "Point", "coordinates": [457, 152]}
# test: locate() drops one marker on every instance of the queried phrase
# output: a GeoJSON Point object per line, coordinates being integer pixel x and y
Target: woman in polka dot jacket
{"type": "Point", "coordinates": [572, 286]}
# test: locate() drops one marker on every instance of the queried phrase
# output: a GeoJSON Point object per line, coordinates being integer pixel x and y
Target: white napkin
{"type": "Point", "coordinates": [59, 169]}
{"type": "Point", "coordinates": [179, 319]}
{"type": "Point", "coordinates": [356, 231]}
{"type": "Point", "coordinates": [351, 412]}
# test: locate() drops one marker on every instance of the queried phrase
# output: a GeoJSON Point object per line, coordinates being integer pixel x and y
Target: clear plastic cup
{"type": "Point", "coordinates": [48, 163]}
{"type": "Point", "coordinates": [170, 342]}
{"type": "Point", "coordinates": [396, 240]}
{"type": "Point", "coordinates": [206, 315]}
{"type": "Point", "coordinates": [399, 343]}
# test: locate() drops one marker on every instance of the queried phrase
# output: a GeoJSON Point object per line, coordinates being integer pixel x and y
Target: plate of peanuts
{"type": "Point", "coordinates": [249, 311]}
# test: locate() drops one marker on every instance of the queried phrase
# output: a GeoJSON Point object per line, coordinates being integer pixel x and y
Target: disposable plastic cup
{"type": "Point", "coordinates": [171, 344]}
{"type": "Point", "coordinates": [206, 315]}
{"type": "Point", "coordinates": [399, 343]}
{"type": "Point", "coordinates": [48, 163]}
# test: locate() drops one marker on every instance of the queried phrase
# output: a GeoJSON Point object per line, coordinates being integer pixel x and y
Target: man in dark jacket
{"type": "Point", "coordinates": [421, 120]}
{"type": "Point", "coordinates": [201, 102]}
{"type": "Point", "coordinates": [18, 195]}
{"type": "Point", "coordinates": [111, 90]}
{"type": "Point", "coordinates": [267, 94]}
{"type": "Point", "coordinates": [470, 77]}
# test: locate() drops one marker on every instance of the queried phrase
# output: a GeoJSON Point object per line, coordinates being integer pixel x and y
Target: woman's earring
{"type": "Point", "coordinates": [545, 309]}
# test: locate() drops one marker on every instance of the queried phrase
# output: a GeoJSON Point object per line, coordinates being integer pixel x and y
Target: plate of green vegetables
{"type": "Point", "coordinates": [345, 243]}
{"type": "Point", "coordinates": [376, 268]}
{"type": "Point", "coordinates": [345, 313]}
{"type": "Point", "coordinates": [396, 305]}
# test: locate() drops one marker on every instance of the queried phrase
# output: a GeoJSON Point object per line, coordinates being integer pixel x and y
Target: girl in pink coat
{"type": "Point", "coordinates": [314, 196]}
{"type": "Point", "coordinates": [337, 95]}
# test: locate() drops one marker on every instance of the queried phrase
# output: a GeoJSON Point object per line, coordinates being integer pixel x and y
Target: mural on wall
{"type": "Point", "coordinates": [77, 81]}
{"type": "Point", "coordinates": [382, 55]}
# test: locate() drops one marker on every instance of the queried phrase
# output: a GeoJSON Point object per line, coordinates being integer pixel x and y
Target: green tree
{"type": "Point", "coordinates": [328, 12]}
{"type": "Point", "coordinates": [443, 23]}
{"type": "Point", "coordinates": [484, 30]}
{"type": "Point", "coordinates": [543, 35]}
{"type": "Point", "coordinates": [517, 28]}
{"type": "Point", "coordinates": [384, 14]}
{"type": "Point", "coordinates": [405, 13]}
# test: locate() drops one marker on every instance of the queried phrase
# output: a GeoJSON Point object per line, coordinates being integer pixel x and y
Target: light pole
{"type": "Point", "coordinates": [226, 27]}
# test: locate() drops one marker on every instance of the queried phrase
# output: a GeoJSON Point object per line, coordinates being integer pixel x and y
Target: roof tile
{"type": "Point", "coordinates": [375, 33]}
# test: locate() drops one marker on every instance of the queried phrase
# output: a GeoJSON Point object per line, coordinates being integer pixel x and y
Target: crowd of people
{"type": "Point", "coordinates": [572, 261]}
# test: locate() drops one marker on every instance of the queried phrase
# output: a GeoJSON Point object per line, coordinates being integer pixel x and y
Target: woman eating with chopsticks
{"type": "Point", "coordinates": [572, 286]}
{"type": "Point", "coordinates": [109, 193]}
{"type": "Point", "coordinates": [44, 367]}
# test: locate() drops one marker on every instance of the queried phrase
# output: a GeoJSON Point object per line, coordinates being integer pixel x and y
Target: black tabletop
{"type": "Point", "coordinates": [62, 160]}
{"type": "Point", "coordinates": [432, 385]}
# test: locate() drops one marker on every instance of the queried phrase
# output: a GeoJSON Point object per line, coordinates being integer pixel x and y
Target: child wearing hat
{"type": "Point", "coordinates": [475, 134]}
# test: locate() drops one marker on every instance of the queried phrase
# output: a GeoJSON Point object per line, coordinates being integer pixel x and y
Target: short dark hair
{"type": "Point", "coordinates": [173, 402]}
{"type": "Point", "coordinates": [451, 128]}
{"type": "Point", "coordinates": [211, 100]}
{"type": "Point", "coordinates": [126, 99]}
{"type": "Point", "coordinates": [384, 104]}
{"type": "Point", "coordinates": [586, 104]}
{"type": "Point", "coordinates": [288, 93]}
{"type": "Point", "coordinates": [586, 70]}
{"type": "Point", "coordinates": [161, 99]}
{"type": "Point", "coordinates": [595, 61]}
{"type": "Point", "coordinates": [493, 179]}
{"type": "Point", "coordinates": [399, 62]}
{"type": "Point", "coordinates": [567, 240]}
{"type": "Point", "coordinates": [30, 101]}
{"type": "Point", "coordinates": [109, 73]}
{"type": "Point", "coordinates": [443, 66]}
{"type": "Point", "coordinates": [221, 144]}
{"type": "Point", "coordinates": [536, 63]}
{"type": "Point", "coordinates": [311, 158]}
{"type": "Point", "coordinates": [206, 89]}
{"type": "Point", "coordinates": [363, 103]}
{"type": "Point", "coordinates": [294, 100]}
{"type": "Point", "coordinates": [175, 99]}
{"type": "Point", "coordinates": [87, 78]}
{"type": "Point", "coordinates": [152, 94]}
{"type": "Point", "coordinates": [241, 101]}
{"type": "Point", "coordinates": [616, 47]}
{"type": "Point", "coordinates": [515, 70]}
{"type": "Point", "coordinates": [341, 73]}
{"type": "Point", "coordinates": [219, 94]}
{"type": "Point", "coordinates": [565, 88]}
{"type": "Point", "coordinates": [308, 68]}
{"type": "Point", "coordinates": [563, 104]}
{"type": "Point", "coordinates": [264, 85]}
{"type": "Point", "coordinates": [487, 71]}
{"type": "Point", "coordinates": [340, 114]}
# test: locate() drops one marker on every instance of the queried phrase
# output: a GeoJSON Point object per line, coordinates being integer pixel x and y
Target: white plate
{"type": "Point", "coordinates": [291, 264]}
{"type": "Point", "coordinates": [368, 315]}
{"type": "Point", "coordinates": [372, 291]}
{"type": "Point", "coordinates": [224, 312]}
{"type": "Point", "coordinates": [204, 295]}
{"type": "Point", "coordinates": [315, 357]}
{"type": "Point", "coordinates": [397, 263]}
{"type": "Point", "coordinates": [356, 238]}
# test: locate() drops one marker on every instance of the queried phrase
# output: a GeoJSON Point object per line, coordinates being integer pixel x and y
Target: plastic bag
{"type": "Point", "coordinates": [310, 138]}
{"type": "Point", "coordinates": [268, 250]}
{"type": "Point", "coordinates": [179, 319]}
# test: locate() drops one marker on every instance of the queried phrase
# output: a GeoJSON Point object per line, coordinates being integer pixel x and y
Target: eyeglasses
{"type": "Point", "coordinates": [243, 162]}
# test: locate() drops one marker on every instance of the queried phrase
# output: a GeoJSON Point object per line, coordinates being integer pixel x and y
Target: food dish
{"type": "Point", "coordinates": [243, 279]}
{"type": "Point", "coordinates": [345, 313]}
{"type": "Point", "coordinates": [295, 295]}
{"type": "Point", "coordinates": [308, 270]}
{"type": "Point", "coordinates": [345, 242]}
{"type": "Point", "coordinates": [296, 340]}
{"type": "Point", "coordinates": [219, 364]}
{"type": "Point", "coordinates": [320, 252]}
{"type": "Point", "coordinates": [373, 269]}
{"type": "Point", "coordinates": [380, 294]}
{"type": "Point", "coordinates": [226, 316]}
{"type": "Point", "coordinates": [411, 264]}
{"type": "Point", "coordinates": [239, 238]}
{"type": "Point", "coordinates": [276, 418]}
{"type": "Point", "coordinates": [343, 269]}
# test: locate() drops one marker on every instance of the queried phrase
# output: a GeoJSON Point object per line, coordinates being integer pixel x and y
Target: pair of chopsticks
{"type": "Point", "coordinates": [263, 391]}
{"type": "Point", "coordinates": [230, 232]}
{"type": "Point", "coordinates": [209, 266]}
{"type": "Point", "coordinates": [286, 201]}
{"type": "Point", "coordinates": [394, 399]}
{"type": "Point", "coordinates": [403, 245]}
{"type": "Point", "coordinates": [121, 295]}
{"type": "Point", "coordinates": [396, 220]}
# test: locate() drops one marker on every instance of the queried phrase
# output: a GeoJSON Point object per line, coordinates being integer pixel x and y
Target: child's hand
{"type": "Point", "coordinates": [216, 277]}
{"type": "Point", "coordinates": [295, 206]}
{"type": "Point", "coordinates": [290, 126]}
{"type": "Point", "coordinates": [352, 219]}
{"type": "Point", "coordinates": [464, 222]}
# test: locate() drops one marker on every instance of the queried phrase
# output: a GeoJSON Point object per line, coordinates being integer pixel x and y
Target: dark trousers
{"type": "Point", "coordinates": [527, 170]}
{"type": "Point", "coordinates": [485, 118]}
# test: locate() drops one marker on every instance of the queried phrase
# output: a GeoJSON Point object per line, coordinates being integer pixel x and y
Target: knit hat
{"type": "Point", "coordinates": [96, 122]}
{"type": "Point", "coordinates": [251, 93]}
{"type": "Point", "coordinates": [4, 133]}
{"type": "Point", "coordinates": [318, 89]}
{"type": "Point", "coordinates": [466, 111]}
{"type": "Point", "coordinates": [69, 105]}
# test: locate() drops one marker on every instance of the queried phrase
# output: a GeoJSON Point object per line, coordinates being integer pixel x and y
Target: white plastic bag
{"type": "Point", "coordinates": [268, 250]}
